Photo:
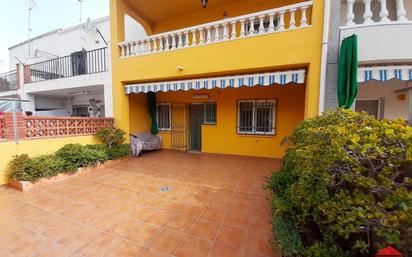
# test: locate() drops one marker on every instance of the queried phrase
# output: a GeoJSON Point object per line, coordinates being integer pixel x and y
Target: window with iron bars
{"type": "Point", "coordinates": [209, 113]}
{"type": "Point", "coordinates": [256, 117]}
{"type": "Point", "coordinates": [164, 116]}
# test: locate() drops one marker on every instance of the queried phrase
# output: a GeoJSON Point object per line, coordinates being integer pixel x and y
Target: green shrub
{"type": "Point", "coordinates": [118, 151]}
{"type": "Point", "coordinates": [23, 168]}
{"type": "Point", "coordinates": [344, 176]}
{"type": "Point", "coordinates": [77, 156]}
{"type": "Point", "coordinates": [111, 136]}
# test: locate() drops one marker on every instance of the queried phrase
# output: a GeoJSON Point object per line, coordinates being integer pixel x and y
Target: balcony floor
{"type": "Point", "coordinates": [215, 206]}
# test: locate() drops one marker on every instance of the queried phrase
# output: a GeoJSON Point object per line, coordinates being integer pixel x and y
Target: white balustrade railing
{"type": "Point", "coordinates": [369, 11]}
{"type": "Point", "coordinates": [255, 24]}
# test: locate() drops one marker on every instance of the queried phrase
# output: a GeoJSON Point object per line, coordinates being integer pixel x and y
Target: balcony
{"type": "Point", "coordinates": [78, 63]}
{"type": "Point", "coordinates": [8, 83]}
{"type": "Point", "coordinates": [383, 27]}
{"type": "Point", "coordinates": [287, 18]}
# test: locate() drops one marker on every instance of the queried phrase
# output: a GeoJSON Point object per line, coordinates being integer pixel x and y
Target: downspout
{"type": "Point", "coordinates": [324, 57]}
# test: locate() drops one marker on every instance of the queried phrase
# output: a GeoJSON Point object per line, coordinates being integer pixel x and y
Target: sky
{"type": "Point", "coordinates": [47, 15]}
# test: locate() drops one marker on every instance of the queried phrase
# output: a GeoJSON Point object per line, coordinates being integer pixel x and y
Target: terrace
{"type": "Point", "coordinates": [165, 203]}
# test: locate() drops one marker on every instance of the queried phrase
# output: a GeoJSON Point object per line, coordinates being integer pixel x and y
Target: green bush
{"type": "Point", "coordinates": [345, 176]}
{"type": "Point", "coordinates": [111, 136]}
{"type": "Point", "coordinates": [24, 168]}
{"type": "Point", "coordinates": [77, 156]}
{"type": "Point", "coordinates": [118, 151]}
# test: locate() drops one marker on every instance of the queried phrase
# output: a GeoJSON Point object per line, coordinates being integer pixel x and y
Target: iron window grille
{"type": "Point", "coordinates": [164, 116]}
{"type": "Point", "coordinates": [210, 113]}
{"type": "Point", "coordinates": [256, 117]}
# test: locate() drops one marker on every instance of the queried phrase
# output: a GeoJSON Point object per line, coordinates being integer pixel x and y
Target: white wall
{"type": "Point", "coordinates": [61, 43]}
{"type": "Point", "coordinates": [393, 108]}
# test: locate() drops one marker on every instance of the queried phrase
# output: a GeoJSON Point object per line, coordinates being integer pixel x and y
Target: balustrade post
{"type": "Point", "coordinates": [194, 38]}
{"type": "Point", "coordinates": [242, 28]}
{"type": "Point", "coordinates": [173, 41]}
{"type": "Point", "coordinates": [350, 16]}
{"type": "Point", "coordinates": [122, 52]}
{"type": "Point", "coordinates": [292, 22]}
{"type": "Point", "coordinates": [367, 16]}
{"type": "Point", "coordinates": [261, 24]}
{"type": "Point", "coordinates": [209, 34]}
{"type": "Point", "coordinates": [186, 36]}
{"type": "Point", "coordinates": [167, 43]}
{"type": "Point", "coordinates": [251, 26]}
{"type": "Point", "coordinates": [201, 37]}
{"type": "Point", "coordinates": [281, 25]}
{"type": "Point", "coordinates": [225, 31]}
{"type": "Point", "coordinates": [384, 12]}
{"type": "Point", "coordinates": [400, 10]}
{"type": "Point", "coordinates": [216, 35]}
{"type": "Point", "coordinates": [233, 34]}
{"type": "Point", "coordinates": [180, 41]}
{"type": "Point", "coordinates": [161, 44]}
{"type": "Point", "coordinates": [271, 27]}
{"type": "Point", "coordinates": [304, 18]}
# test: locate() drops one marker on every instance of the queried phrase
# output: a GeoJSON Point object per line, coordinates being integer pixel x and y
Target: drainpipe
{"type": "Point", "coordinates": [324, 58]}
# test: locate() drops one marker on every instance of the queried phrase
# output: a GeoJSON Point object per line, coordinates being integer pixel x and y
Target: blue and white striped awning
{"type": "Point", "coordinates": [250, 80]}
{"type": "Point", "coordinates": [384, 73]}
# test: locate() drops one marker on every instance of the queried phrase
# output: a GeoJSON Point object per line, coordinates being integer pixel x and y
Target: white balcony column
{"type": "Point", "coordinates": [149, 46]}
{"type": "Point", "coordinates": [216, 35]}
{"type": "Point", "coordinates": [251, 26]}
{"type": "Point", "coordinates": [261, 24]}
{"type": "Point", "coordinates": [155, 49]}
{"type": "Point", "coordinates": [233, 34]}
{"type": "Point", "coordinates": [384, 12]}
{"type": "Point", "coordinates": [143, 46]}
{"type": "Point", "coordinates": [138, 49]}
{"type": "Point", "coordinates": [281, 25]}
{"type": "Point", "coordinates": [180, 40]}
{"type": "Point", "coordinates": [367, 15]}
{"type": "Point", "coordinates": [271, 27]}
{"type": "Point", "coordinates": [167, 43]}
{"type": "Point", "coordinates": [133, 48]}
{"type": "Point", "coordinates": [350, 16]}
{"type": "Point", "coordinates": [173, 41]}
{"type": "Point", "coordinates": [225, 31]}
{"type": "Point", "coordinates": [161, 44]}
{"type": "Point", "coordinates": [209, 35]}
{"type": "Point", "coordinates": [400, 10]}
{"type": "Point", "coordinates": [201, 37]}
{"type": "Point", "coordinates": [304, 18]}
{"type": "Point", "coordinates": [194, 38]}
{"type": "Point", "coordinates": [186, 37]}
{"type": "Point", "coordinates": [292, 22]}
{"type": "Point", "coordinates": [122, 51]}
{"type": "Point", "coordinates": [242, 28]}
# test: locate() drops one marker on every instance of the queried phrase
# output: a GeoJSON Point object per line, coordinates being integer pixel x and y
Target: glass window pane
{"type": "Point", "coordinates": [246, 117]}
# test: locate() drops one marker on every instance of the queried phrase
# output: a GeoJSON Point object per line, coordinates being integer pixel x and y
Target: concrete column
{"type": "Point", "coordinates": [108, 90]}
{"type": "Point", "coordinates": [331, 98]}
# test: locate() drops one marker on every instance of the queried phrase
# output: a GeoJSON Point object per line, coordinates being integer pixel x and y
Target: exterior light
{"type": "Point", "coordinates": [204, 3]}
{"type": "Point", "coordinates": [180, 68]}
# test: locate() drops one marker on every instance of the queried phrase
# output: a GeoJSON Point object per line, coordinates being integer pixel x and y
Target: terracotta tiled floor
{"type": "Point", "coordinates": [215, 207]}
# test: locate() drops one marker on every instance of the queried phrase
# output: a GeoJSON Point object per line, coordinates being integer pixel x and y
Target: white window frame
{"type": "Point", "coordinates": [170, 116]}
{"type": "Point", "coordinates": [254, 121]}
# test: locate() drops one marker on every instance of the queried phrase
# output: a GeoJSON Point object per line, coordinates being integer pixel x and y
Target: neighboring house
{"type": "Point", "coordinates": [65, 72]}
{"type": "Point", "coordinates": [235, 77]}
{"type": "Point", "coordinates": [384, 29]}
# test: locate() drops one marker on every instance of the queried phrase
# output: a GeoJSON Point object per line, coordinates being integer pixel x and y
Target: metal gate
{"type": "Point", "coordinates": [196, 113]}
{"type": "Point", "coordinates": [180, 121]}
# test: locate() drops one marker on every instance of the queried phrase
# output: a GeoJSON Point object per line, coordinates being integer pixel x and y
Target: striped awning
{"type": "Point", "coordinates": [250, 80]}
{"type": "Point", "coordinates": [384, 73]}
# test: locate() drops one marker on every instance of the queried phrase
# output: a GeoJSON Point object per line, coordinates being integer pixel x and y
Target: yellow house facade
{"type": "Point", "coordinates": [230, 77]}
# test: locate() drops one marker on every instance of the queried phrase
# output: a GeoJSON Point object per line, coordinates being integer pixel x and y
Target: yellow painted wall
{"type": "Point", "coordinates": [223, 137]}
{"type": "Point", "coordinates": [36, 147]}
{"type": "Point", "coordinates": [300, 48]}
